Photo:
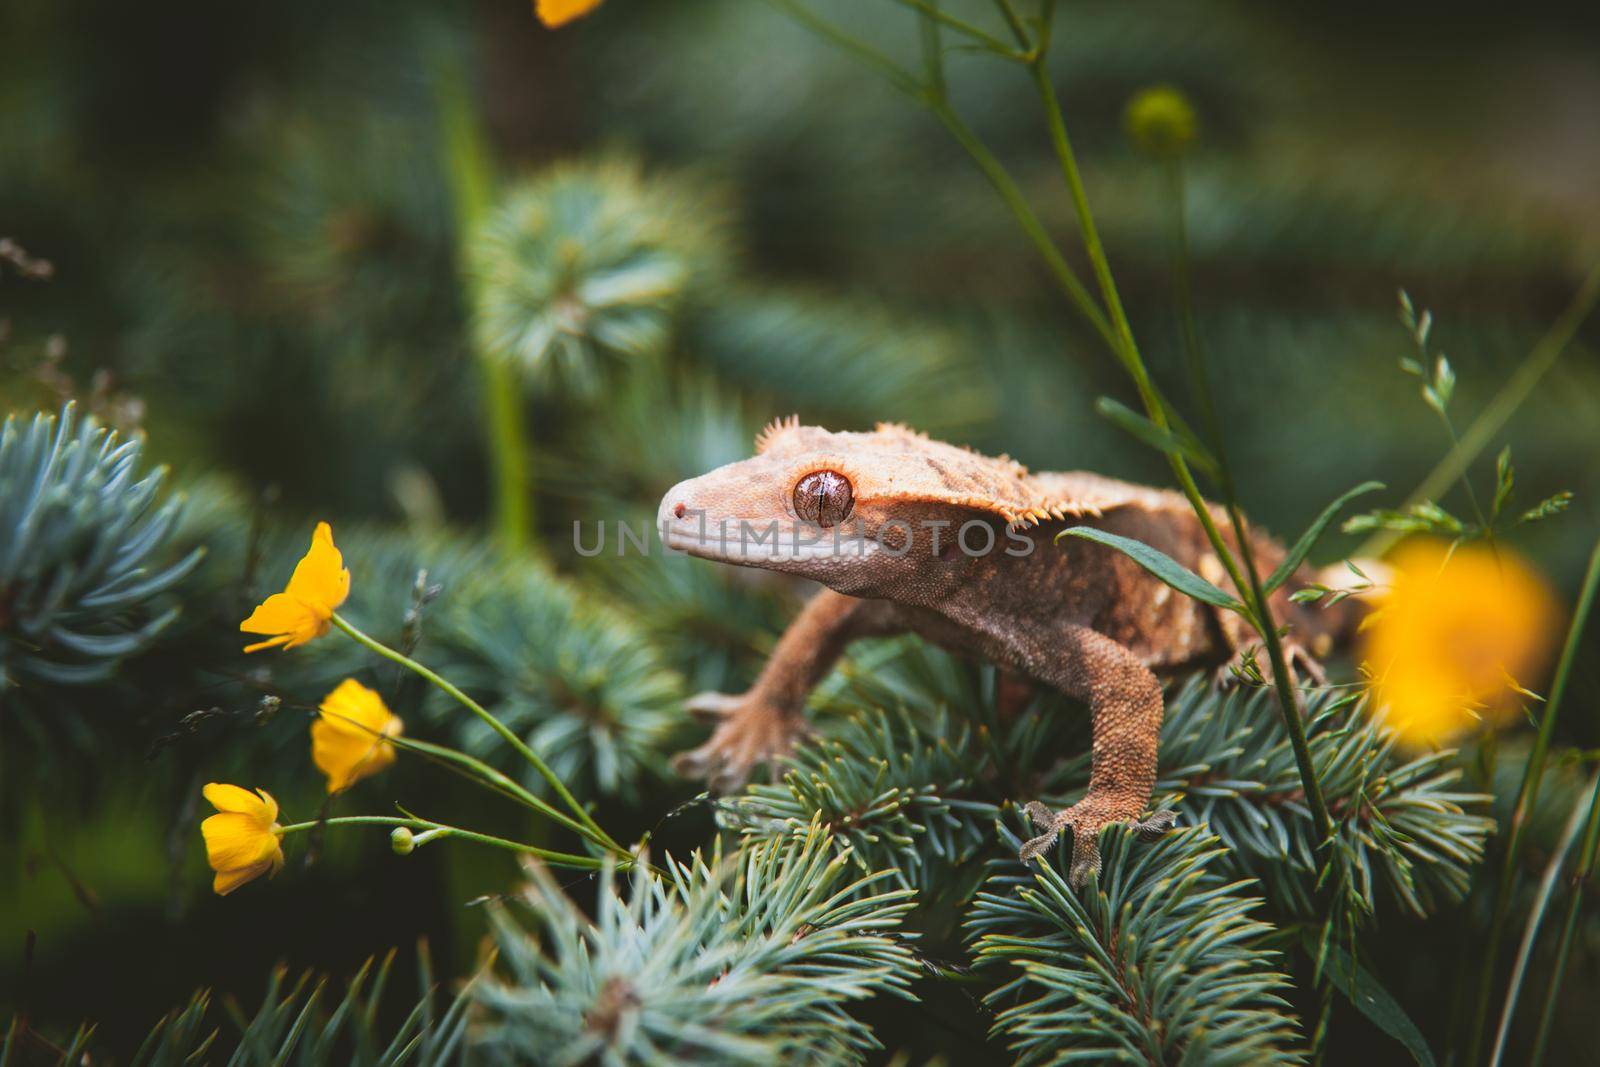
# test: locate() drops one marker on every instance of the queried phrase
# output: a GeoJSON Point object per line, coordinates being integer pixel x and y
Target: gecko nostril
{"type": "Point", "coordinates": [678, 510]}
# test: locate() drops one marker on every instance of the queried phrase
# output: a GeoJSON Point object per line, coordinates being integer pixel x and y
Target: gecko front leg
{"type": "Point", "coordinates": [1124, 699]}
{"type": "Point", "coordinates": [763, 724]}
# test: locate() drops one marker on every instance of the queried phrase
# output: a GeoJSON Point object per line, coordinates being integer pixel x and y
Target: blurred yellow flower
{"type": "Point", "coordinates": [1161, 121]}
{"type": "Point", "coordinates": [301, 612]}
{"type": "Point", "coordinates": [350, 740]}
{"type": "Point", "coordinates": [1453, 637]}
{"type": "Point", "coordinates": [243, 838]}
{"type": "Point", "coordinates": [555, 13]}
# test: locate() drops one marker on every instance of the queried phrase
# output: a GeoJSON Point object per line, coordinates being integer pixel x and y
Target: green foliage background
{"type": "Point", "coordinates": [250, 218]}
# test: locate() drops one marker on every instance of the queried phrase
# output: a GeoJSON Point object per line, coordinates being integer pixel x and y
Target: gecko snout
{"type": "Point", "coordinates": [677, 506]}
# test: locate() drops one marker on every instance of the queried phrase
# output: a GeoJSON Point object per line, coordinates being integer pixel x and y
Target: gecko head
{"type": "Point", "coordinates": [846, 509]}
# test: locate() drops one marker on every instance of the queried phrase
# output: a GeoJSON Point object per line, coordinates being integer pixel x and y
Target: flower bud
{"type": "Point", "coordinates": [402, 841]}
{"type": "Point", "coordinates": [1160, 121]}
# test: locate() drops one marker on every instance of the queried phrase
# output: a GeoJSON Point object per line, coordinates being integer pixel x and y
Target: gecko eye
{"type": "Point", "coordinates": [823, 497]}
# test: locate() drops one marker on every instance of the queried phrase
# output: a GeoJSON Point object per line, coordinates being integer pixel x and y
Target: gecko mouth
{"type": "Point", "coordinates": [768, 544]}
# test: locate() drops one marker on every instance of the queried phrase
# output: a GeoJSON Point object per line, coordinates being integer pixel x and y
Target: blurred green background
{"type": "Point", "coordinates": [250, 219]}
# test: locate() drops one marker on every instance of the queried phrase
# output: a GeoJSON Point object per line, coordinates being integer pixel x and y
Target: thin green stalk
{"type": "Point", "coordinates": [470, 175]}
{"type": "Point", "coordinates": [474, 770]}
{"type": "Point", "coordinates": [1014, 21]}
{"type": "Point", "coordinates": [1200, 384]}
{"type": "Point", "coordinates": [500, 783]}
{"type": "Point", "coordinates": [1125, 348]}
{"type": "Point", "coordinates": [1581, 873]}
{"type": "Point", "coordinates": [863, 51]}
{"type": "Point", "coordinates": [1527, 797]}
{"type": "Point", "coordinates": [562, 859]}
{"type": "Point", "coordinates": [1116, 332]}
{"type": "Point", "coordinates": [1493, 418]}
{"type": "Point", "coordinates": [1122, 342]}
{"type": "Point", "coordinates": [933, 51]}
{"type": "Point", "coordinates": [1466, 483]}
{"type": "Point", "coordinates": [987, 163]}
{"type": "Point", "coordinates": [1032, 228]}
{"type": "Point", "coordinates": [494, 724]}
{"type": "Point", "coordinates": [1246, 580]}
{"type": "Point", "coordinates": [1199, 381]}
{"type": "Point", "coordinates": [513, 501]}
{"type": "Point", "coordinates": [961, 26]}
{"type": "Point", "coordinates": [1530, 930]}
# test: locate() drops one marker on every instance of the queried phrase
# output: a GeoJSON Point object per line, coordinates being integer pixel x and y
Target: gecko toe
{"type": "Point", "coordinates": [1085, 861]}
{"type": "Point", "coordinates": [1043, 818]}
{"type": "Point", "coordinates": [712, 707]}
{"type": "Point", "coordinates": [1156, 825]}
{"type": "Point", "coordinates": [1040, 814]}
{"type": "Point", "coordinates": [1035, 847]}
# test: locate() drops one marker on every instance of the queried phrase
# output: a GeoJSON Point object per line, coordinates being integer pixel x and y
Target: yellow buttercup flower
{"type": "Point", "coordinates": [555, 13]}
{"type": "Point", "coordinates": [350, 739]}
{"type": "Point", "coordinates": [301, 612]}
{"type": "Point", "coordinates": [1454, 637]}
{"type": "Point", "coordinates": [243, 840]}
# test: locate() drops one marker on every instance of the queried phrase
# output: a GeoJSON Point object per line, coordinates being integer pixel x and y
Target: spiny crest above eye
{"type": "Point", "coordinates": [896, 463]}
{"type": "Point", "coordinates": [774, 430]}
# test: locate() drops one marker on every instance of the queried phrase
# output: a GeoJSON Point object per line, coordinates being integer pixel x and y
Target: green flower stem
{"type": "Point", "coordinates": [470, 175]}
{"type": "Point", "coordinates": [1193, 356]}
{"type": "Point", "coordinates": [477, 771]}
{"type": "Point", "coordinates": [1013, 20]}
{"type": "Point", "coordinates": [1266, 626]}
{"type": "Point", "coordinates": [1527, 797]}
{"type": "Point", "coordinates": [961, 26]}
{"type": "Point", "coordinates": [991, 167]}
{"type": "Point", "coordinates": [933, 52]}
{"type": "Point", "coordinates": [1246, 580]}
{"type": "Point", "coordinates": [559, 859]}
{"type": "Point", "coordinates": [498, 782]}
{"type": "Point", "coordinates": [1116, 331]}
{"type": "Point", "coordinates": [1569, 928]}
{"type": "Point", "coordinates": [1529, 373]}
{"type": "Point", "coordinates": [513, 510]}
{"type": "Point", "coordinates": [1122, 342]}
{"type": "Point", "coordinates": [494, 724]}
{"type": "Point", "coordinates": [1032, 228]}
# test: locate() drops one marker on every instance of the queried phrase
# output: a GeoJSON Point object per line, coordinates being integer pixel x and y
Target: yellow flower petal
{"type": "Point", "coordinates": [281, 639]}
{"type": "Point", "coordinates": [227, 881]}
{"type": "Point", "coordinates": [243, 840]}
{"type": "Point", "coordinates": [236, 840]}
{"type": "Point", "coordinates": [555, 13]}
{"type": "Point", "coordinates": [320, 580]}
{"type": "Point", "coordinates": [349, 740]}
{"type": "Point", "coordinates": [301, 613]}
{"type": "Point", "coordinates": [280, 613]}
{"type": "Point", "coordinates": [355, 709]}
{"type": "Point", "coordinates": [1450, 635]}
{"type": "Point", "coordinates": [269, 807]}
{"type": "Point", "coordinates": [233, 798]}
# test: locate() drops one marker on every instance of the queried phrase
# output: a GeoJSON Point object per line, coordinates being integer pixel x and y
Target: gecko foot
{"type": "Point", "coordinates": [1086, 819]}
{"type": "Point", "coordinates": [749, 733]}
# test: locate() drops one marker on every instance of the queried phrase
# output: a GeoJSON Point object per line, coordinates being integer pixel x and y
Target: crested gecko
{"type": "Point", "coordinates": [908, 534]}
